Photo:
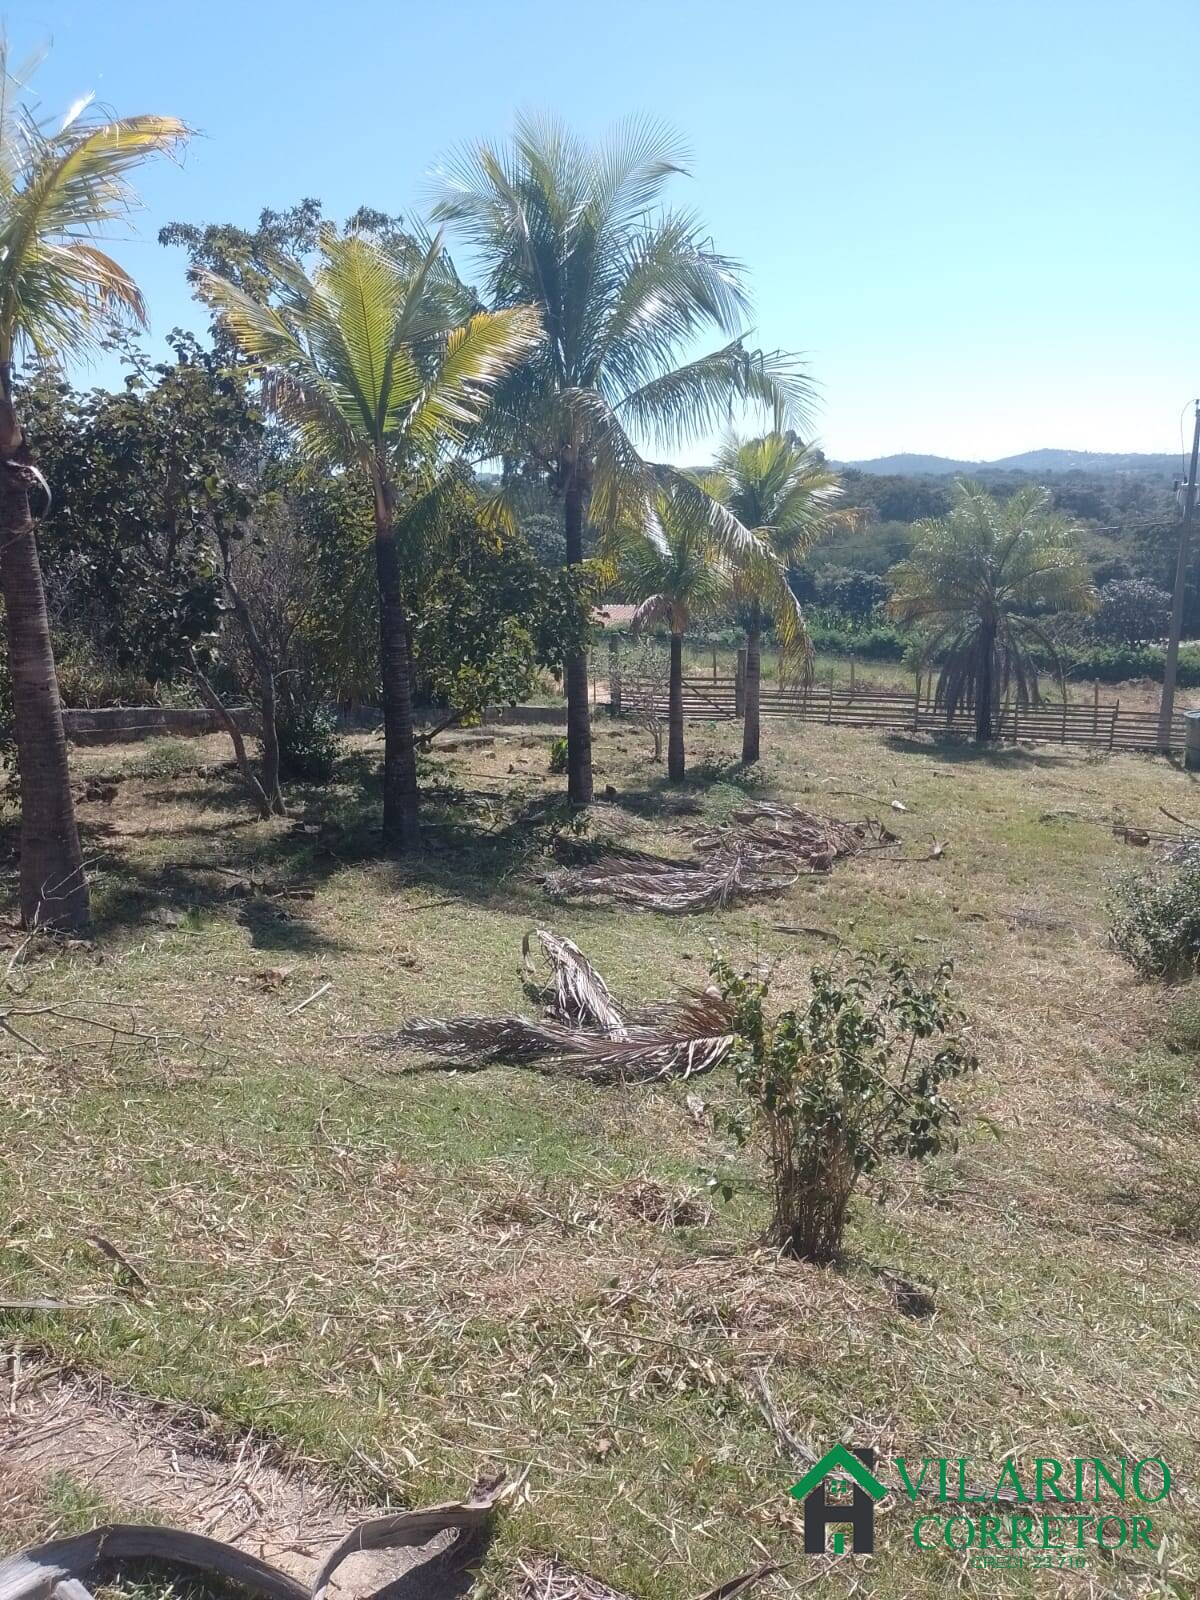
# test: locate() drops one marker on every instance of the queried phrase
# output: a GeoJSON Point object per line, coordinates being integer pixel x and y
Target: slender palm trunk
{"type": "Point", "coordinates": [750, 722]}
{"type": "Point", "coordinates": [675, 759]}
{"type": "Point", "coordinates": [575, 668]}
{"type": "Point", "coordinates": [400, 819]}
{"type": "Point", "coordinates": [53, 889]}
{"type": "Point", "coordinates": [985, 686]}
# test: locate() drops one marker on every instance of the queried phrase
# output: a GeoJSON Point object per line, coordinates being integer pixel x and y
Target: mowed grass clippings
{"type": "Point", "coordinates": [405, 1276]}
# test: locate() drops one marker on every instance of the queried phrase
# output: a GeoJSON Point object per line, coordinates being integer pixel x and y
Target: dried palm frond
{"type": "Point", "coordinates": [586, 1033]}
{"type": "Point", "coordinates": [483, 1039]}
{"type": "Point", "coordinates": [579, 995]}
{"type": "Point", "coordinates": [733, 868]}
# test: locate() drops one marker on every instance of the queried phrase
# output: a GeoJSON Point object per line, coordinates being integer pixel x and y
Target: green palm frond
{"type": "Point", "coordinates": [364, 359]}
{"type": "Point", "coordinates": [58, 191]}
{"type": "Point", "coordinates": [701, 396]}
{"type": "Point", "coordinates": [624, 288]}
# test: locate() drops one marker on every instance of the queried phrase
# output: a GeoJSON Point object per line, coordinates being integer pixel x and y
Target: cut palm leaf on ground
{"type": "Point", "coordinates": [585, 1032]}
{"type": "Point", "coordinates": [763, 850]}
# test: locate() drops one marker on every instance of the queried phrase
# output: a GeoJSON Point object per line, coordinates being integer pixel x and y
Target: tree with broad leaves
{"type": "Point", "coordinates": [624, 287]}
{"type": "Point", "coordinates": [60, 188]}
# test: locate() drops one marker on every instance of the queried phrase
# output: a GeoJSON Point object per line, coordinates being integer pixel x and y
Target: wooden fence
{"type": "Point", "coordinates": [1093, 722]}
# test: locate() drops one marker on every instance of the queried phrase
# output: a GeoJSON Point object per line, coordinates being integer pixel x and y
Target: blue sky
{"type": "Point", "coordinates": [978, 218]}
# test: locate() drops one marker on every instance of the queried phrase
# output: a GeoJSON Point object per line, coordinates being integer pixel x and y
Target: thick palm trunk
{"type": "Point", "coordinates": [53, 889]}
{"type": "Point", "coordinates": [985, 687]}
{"type": "Point", "coordinates": [575, 668]}
{"type": "Point", "coordinates": [400, 819]}
{"type": "Point", "coordinates": [750, 721]}
{"type": "Point", "coordinates": [675, 759]}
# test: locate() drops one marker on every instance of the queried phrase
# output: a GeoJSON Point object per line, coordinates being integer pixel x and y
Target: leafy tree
{"type": "Point", "coordinates": [979, 581]}
{"type": "Point", "coordinates": [60, 188]}
{"type": "Point", "coordinates": [370, 363]}
{"type": "Point", "coordinates": [785, 494]}
{"type": "Point", "coordinates": [1132, 612]}
{"type": "Point", "coordinates": [854, 594]}
{"type": "Point", "coordinates": [676, 578]}
{"type": "Point", "coordinates": [624, 288]}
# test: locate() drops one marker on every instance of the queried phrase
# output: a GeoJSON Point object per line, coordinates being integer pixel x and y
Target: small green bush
{"type": "Point", "coordinates": [1154, 919]}
{"type": "Point", "coordinates": [834, 1089]}
{"type": "Point", "coordinates": [558, 756]}
{"type": "Point", "coordinates": [308, 745]}
{"type": "Point", "coordinates": [166, 757]}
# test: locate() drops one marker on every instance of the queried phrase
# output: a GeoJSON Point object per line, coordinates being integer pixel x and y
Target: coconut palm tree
{"type": "Point", "coordinates": [60, 188]}
{"type": "Point", "coordinates": [785, 494]}
{"type": "Point", "coordinates": [370, 363]}
{"type": "Point", "coordinates": [674, 578]}
{"type": "Point", "coordinates": [979, 582]}
{"type": "Point", "coordinates": [624, 288]}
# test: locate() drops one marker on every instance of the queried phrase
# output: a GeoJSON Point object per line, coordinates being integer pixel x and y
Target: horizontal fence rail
{"type": "Point", "coordinates": [1103, 724]}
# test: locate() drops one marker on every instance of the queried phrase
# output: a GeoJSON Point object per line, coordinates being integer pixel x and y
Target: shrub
{"type": "Point", "coordinates": [836, 1088]}
{"type": "Point", "coordinates": [308, 744]}
{"type": "Point", "coordinates": [167, 757]}
{"type": "Point", "coordinates": [558, 756]}
{"type": "Point", "coordinates": [1155, 919]}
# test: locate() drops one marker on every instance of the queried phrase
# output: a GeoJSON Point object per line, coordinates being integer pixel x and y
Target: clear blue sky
{"type": "Point", "coordinates": [978, 218]}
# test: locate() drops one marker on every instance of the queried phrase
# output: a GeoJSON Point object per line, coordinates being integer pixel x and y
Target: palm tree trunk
{"type": "Point", "coordinates": [400, 804]}
{"type": "Point", "coordinates": [985, 687]}
{"type": "Point", "coordinates": [750, 721]}
{"type": "Point", "coordinates": [575, 668]}
{"type": "Point", "coordinates": [53, 889]}
{"type": "Point", "coordinates": [675, 759]}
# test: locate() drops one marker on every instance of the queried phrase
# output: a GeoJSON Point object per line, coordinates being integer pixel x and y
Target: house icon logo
{"type": "Point", "coordinates": [837, 1470]}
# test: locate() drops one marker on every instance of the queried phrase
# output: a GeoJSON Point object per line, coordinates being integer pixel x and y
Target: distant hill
{"type": "Point", "coordinates": [1033, 461]}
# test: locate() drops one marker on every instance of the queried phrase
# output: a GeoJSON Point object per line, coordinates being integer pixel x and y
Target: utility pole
{"type": "Point", "coordinates": [1171, 664]}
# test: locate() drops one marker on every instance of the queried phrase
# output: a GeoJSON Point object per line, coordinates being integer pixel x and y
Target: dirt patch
{"type": "Point", "coordinates": [144, 1463]}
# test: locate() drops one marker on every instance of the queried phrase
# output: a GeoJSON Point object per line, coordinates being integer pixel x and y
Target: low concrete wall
{"type": "Point", "coordinates": [119, 724]}
{"type": "Point", "coordinates": [365, 717]}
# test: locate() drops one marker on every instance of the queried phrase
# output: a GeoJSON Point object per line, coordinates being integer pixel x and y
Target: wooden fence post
{"type": "Point", "coordinates": [714, 660]}
{"type": "Point", "coordinates": [1112, 732]}
{"type": "Point", "coordinates": [739, 685]}
{"type": "Point", "coordinates": [1096, 706]}
{"type": "Point", "coordinates": [917, 705]}
{"type": "Point", "coordinates": [614, 677]}
{"type": "Point", "coordinates": [852, 677]}
{"type": "Point", "coordinates": [829, 711]}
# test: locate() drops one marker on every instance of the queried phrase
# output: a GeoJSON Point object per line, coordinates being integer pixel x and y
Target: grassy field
{"type": "Point", "coordinates": [405, 1276]}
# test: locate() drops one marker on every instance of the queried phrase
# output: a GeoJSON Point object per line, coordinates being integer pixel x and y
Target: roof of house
{"type": "Point", "coordinates": [610, 618]}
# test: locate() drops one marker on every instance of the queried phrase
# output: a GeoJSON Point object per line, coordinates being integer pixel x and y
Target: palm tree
{"type": "Point", "coordinates": [59, 189]}
{"type": "Point", "coordinates": [785, 494]}
{"type": "Point", "coordinates": [371, 364]}
{"type": "Point", "coordinates": [624, 288]}
{"type": "Point", "coordinates": [979, 581]}
{"type": "Point", "coordinates": [687, 570]}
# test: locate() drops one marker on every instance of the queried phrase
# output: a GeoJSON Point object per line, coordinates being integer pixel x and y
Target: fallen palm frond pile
{"type": "Point", "coordinates": [764, 850]}
{"type": "Point", "coordinates": [585, 1033]}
